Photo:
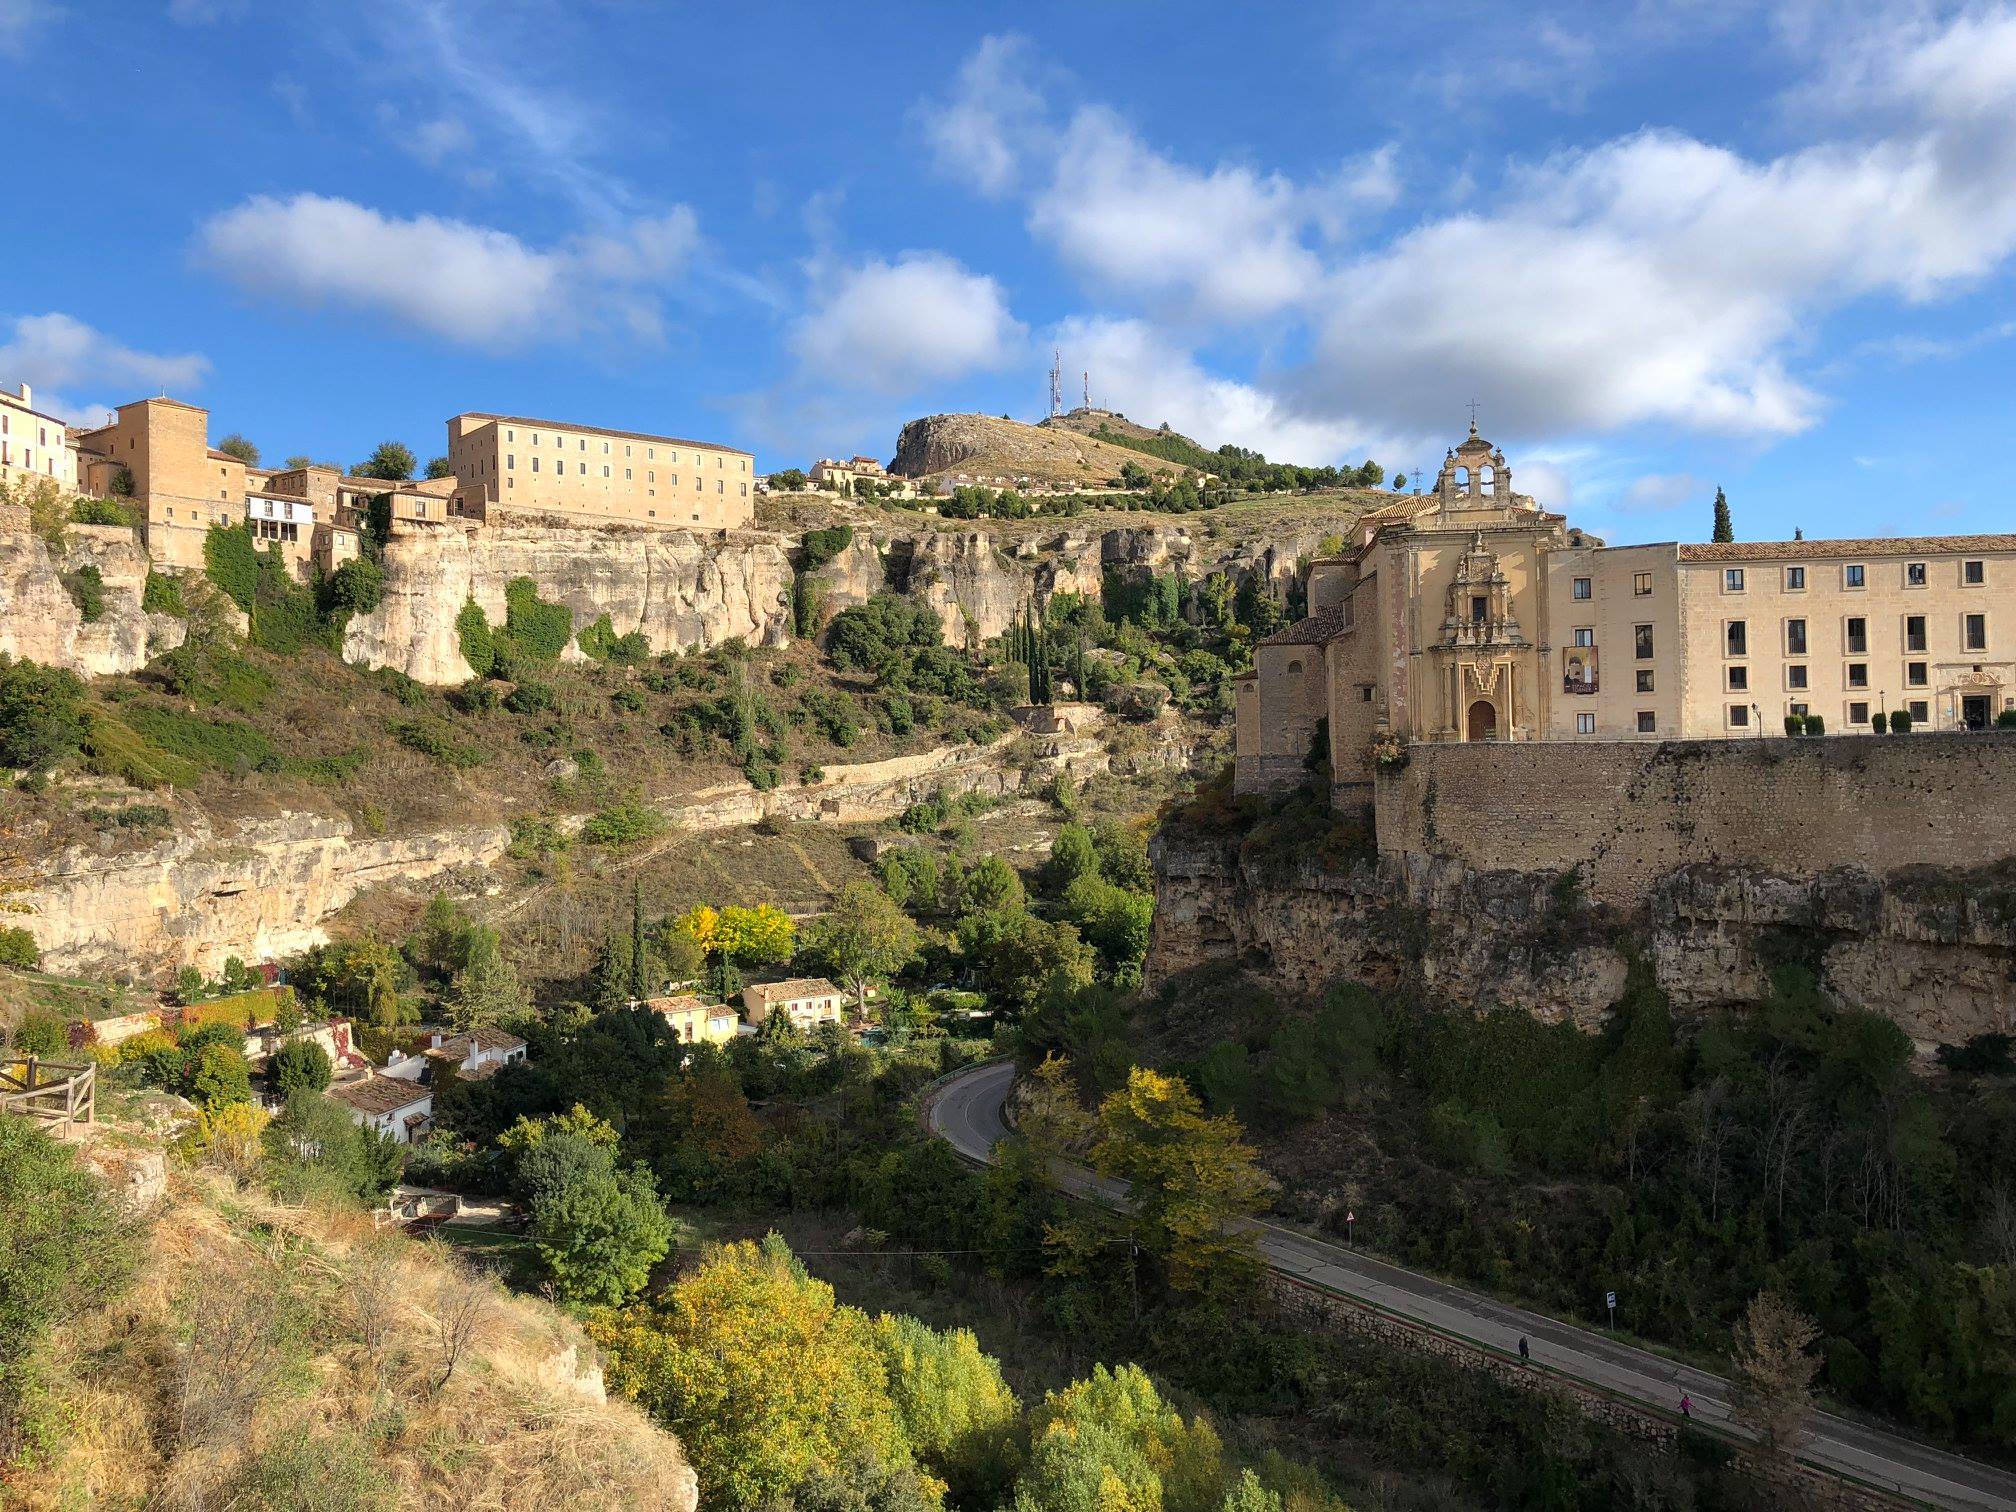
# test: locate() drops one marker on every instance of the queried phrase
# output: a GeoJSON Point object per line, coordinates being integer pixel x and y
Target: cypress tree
{"type": "Point", "coordinates": [1725, 528]}
{"type": "Point", "coordinates": [640, 952]}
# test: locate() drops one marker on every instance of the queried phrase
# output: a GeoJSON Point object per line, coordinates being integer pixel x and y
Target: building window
{"type": "Point", "coordinates": [1914, 574]}
{"type": "Point", "coordinates": [674, 481]}
{"type": "Point", "coordinates": [1641, 639]}
{"type": "Point", "coordinates": [1582, 590]}
{"type": "Point", "coordinates": [1736, 639]}
{"type": "Point", "coordinates": [1732, 579]}
{"type": "Point", "coordinates": [1585, 724]}
{"type": "Point", "coordinates": [510, 435]}
{"type": "Point", "coordinates": [626, 475]}
{"type": "Point", "coordinates": [1739, 679]}
{"type": "Point", "coordinates": [1921, 711]}
{"type": "Point", "coordinates": [1858, 713]}
{"type": "Point", "coordinates": [1802, 710]}
{"type": "Point", "coordinates": [1648, 722]}
{"type": "Point", "coordinates": [1976, 633]}
{"type": "Point", "coordinates": [1795, 675]}
{"type": "Point", "coordinates": [1795, 637]}
{"type": "Point", "coordinates": [1739, 716]}
{"type": "Point", "coordinates": [1973, 574]}
{"type": "Point", "coordinates": [652, 477]}
{"type": "Point", "coordinates": [1852, 575]}
{"type": "Point", "coordinates": [1914, 632]}
{"type": "Point", "coordinates": [1585, 635]}
{"type": "Point", "coordinates": [1858, 674]}
{"type": "Point", "coordinates": [1641, 585]}
{"type": "Point", "coordinates": [1644, 680]}
{"type": "Point", "coordinates": [1915, 674]}
{"type": "Point", "coordinates": [1858, 635]}
{"type": "Point", "coordinates": [535, 464]}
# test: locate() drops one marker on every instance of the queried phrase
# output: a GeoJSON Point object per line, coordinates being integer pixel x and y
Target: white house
{"type": "Point", "coordinates": [477, 1054]}
{"type": "Point", "coordinates": [402, 1109]}
{"type": "Point", "coordinates": [809, 1001]}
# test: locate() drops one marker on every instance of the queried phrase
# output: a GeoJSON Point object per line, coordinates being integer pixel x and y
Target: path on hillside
{"type": "Point", "coordinates": [966, 1111]}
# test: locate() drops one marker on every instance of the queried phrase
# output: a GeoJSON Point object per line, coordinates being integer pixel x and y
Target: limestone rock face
{"type": "Point", "coordinates": [682, 589]}
{"type": "Point", "coordinates": [259, 891]}
{"type": "Point", "coordinates": [1936, 954]}
{"type": "Point", "coordinates": [39, 621]}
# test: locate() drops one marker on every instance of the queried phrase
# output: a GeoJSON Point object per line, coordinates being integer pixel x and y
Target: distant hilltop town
{"type": "Point", "coordinates": [155, 453]}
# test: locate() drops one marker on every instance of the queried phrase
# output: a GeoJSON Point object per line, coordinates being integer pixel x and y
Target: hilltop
{"type": "Point", "coordinates": [994, 449]}
{"type": "Point", "coordinates": [1111, 425]}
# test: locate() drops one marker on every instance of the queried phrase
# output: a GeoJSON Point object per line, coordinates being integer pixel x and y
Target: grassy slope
{"type": "Point", "coordinates": [280, 1302]}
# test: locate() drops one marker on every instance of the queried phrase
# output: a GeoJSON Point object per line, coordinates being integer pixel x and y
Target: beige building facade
{"type": "Point", "coordinates": [34, 445]}
{"type": "Point", "coordinates": [511, 462]}
{"type": "Point", "coordinates": [181, 484]}
{"type": "Point", "coordinates": [1471, 614]}
{"type": "Point", "coordinates": [807, 1001]}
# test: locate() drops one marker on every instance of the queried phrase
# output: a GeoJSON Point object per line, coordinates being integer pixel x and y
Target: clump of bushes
{"type": "Point", "coordinates": [431, 738]}
{"type": "Point", "coordinates": [163, 595]}
{"type": "Point", "coordinates": [623, 824]}
{"type": "Point", "coordinates": [86, 587]}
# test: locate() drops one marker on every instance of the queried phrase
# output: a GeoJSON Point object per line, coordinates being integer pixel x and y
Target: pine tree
{"type": "Point", "coordinates": [1725, 529]}
{"type": "Point", "coordinates": [640, 949]}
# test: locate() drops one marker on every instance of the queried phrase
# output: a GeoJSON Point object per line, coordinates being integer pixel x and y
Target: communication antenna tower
{"type": "Point", "coordinates": [1088, 389]}
{"type": "Point", "coordinates": [1056, 384]}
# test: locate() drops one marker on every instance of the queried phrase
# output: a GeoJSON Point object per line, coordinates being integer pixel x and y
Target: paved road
{"type": "Point", "coordinates": [967, 1111]}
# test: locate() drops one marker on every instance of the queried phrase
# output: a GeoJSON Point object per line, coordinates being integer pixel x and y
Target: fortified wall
{"type": "Point", "coordinates": [1630, 813]}
{"type": "Point", "coordinates": [1886, 863]}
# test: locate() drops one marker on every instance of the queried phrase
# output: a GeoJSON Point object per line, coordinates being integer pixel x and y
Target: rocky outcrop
{"type": "Point", "coordinates": [1934, 950]}
{"type": "Point", "coordinates": [994, 450]}
{"type": "Point", "coordinates": [681, 589]}
{"type": "Point", "coordinates": [259, 890]}
{"type": "Point", "coordinates": [40, 621]}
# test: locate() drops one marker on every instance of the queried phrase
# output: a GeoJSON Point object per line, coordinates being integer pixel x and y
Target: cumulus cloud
{"type": "Point", "coordinates": [1655, 493]}
{"type": "Point", "coordinates": [471, 284]}
{"type": "Point", "coordinates": [62, 356]}
{"type": "Point", "coordinates": [894, 326]}
{"type": "Point", "coordinates": [994, 115]}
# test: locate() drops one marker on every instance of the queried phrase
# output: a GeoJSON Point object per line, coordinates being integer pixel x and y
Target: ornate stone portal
{"type": "Point", "coordinates": [1480, 653]}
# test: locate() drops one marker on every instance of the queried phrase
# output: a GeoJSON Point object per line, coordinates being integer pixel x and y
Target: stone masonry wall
{"type": "Point", "coordinates": [1629, 814]}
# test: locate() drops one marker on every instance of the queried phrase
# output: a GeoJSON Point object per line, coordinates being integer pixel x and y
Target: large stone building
{"type": "Point", "coordinates": [159, 450]}
{"type": "Point", "coordinates": [1471, 614]}
{"type": "Point", "coordinates": [32, 444]}
{"type": "Point", "coordinates": [512, 463]}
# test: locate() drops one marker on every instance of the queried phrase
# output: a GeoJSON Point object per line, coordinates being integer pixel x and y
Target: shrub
{"type": "Point", "coordinates": [629, 700]}
{"type": "Point", "coordinates": [624, 824]}
{"type": "Point", "coordinates": [41, 1033]}
{"type": "Point", "coordinates": [537, 629]}
{"type": "Point", "coordinates": [2006, 720]}
{"type": "Point", "coordinates": [531, 696]}
{"type": "Point", "coordinates": [1815, 725]}
{"type": "Point", "coordinates": [89, 511]}
{"type": "Point", "coordinates": [1795, 724]}
{"type": "Point", "coordinates": [821, 546]}
{"type": "Point", "coordinates": [163, 595]}
{"type": "Point", "coordinates": [356, 587]}
{"type": "Point", "coordinates": [472, 632]}
{"type": "Point", "coordinates": [298, 1065]}
{"type": "Point", "coordinates": [1900, 721]}
{"type": "Point", "coordinates": [224, 744]}
{"type": "Point", "coordinates": [232, 562]}
{"type": "Point", "coordinates": [1876, 723]}
{"type": "Point", "coordinates": [598, 639]}
{"type": "Point", "coordinates": [113, 749]}
{"type": "Point", "coordinates": [41, 714]}
{"type": "Point", "coordinates": [86, 587]}
{"type": "Point", "coordinates": [436, 740]}
{"type": "Point", "coordinates": [218, 1074]}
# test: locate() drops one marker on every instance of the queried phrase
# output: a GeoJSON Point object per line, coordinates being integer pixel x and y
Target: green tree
{"type": "Point", "coordinates": [599, 1230]}
{"type": "Point", "coordinates": [1725, 526]}
{"type": "Point", "coordinates": [1196, 1182]}
{"type": "Point", "coordinates": [237, 446]}
{"type": "Point", "coordinates": [1024, 957]}
{"type": "Point", "coordinates": [439, 467]}
{"type": "Point", "coordinates": [1111, 1442]}
{"type": "Point", "coordinates": [767, 1378]}
{"type": "Point", "coordinates": [1773, 1371]}
{"type": "Point", "coordinates": [865, 938]}
{"type": "Point", "coordinates": [42, 716]}
{"type": "Point", "coordinates": [18, 948]}
{"type": "Point", "coordinates": [487, 989]}
{"type": "Point", "coordinates": [217, 1074]}
{"type": "Point", "coordinates": [299, 1065]}
{"type": "Point", "coordinates": [315, 1149]}
{"type": "Point", "coordinates": [958, 1414]}
{"type": "Point", "coordinates": [1072, 855]}
{"type": "Point", "coordinates": [392, 460]}
{"type": "Point", "coordinates": [356, 587]}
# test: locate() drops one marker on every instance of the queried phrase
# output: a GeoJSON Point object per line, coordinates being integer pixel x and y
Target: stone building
{"type": "Point", "coordinates": [511, 462]}
{"type": "Point", "coordinates": [32, 444]}
{"type": "Point", "coordinates": [182, 484]}
{"type": "Point", "coordinates": [1470, 613]}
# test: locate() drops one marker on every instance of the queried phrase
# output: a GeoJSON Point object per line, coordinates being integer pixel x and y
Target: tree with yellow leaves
{"type": "Point", "coordinates": [1195, 1180]}
{"type": "Point", "coordinates": [734, 937]}
{"type": "Point", "coordinates": [1109, 1443]}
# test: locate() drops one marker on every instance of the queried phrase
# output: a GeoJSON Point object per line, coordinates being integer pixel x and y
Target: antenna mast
{"type": "Point", "coordinates": [1056, 384]}
{"type": "Point", "coordinates": [1088, 389]}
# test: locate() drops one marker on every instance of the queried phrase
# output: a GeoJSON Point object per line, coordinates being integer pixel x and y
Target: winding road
{"type": "Point", "coordinates": [966, 1111]}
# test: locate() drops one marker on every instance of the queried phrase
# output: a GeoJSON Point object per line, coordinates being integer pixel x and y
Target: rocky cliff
{"type": "Point", "coordinates": [1933, 949]}
{"type": "Point", "coordinates": [681, 588]}
{"type": "Point", "coordinates": [992, 449]}
{"type": "Point", "coordinates": [40, 621]}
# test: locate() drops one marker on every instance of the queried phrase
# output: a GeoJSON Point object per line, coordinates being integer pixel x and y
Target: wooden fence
{"type": "Point", "coordinates": [61, 1093]}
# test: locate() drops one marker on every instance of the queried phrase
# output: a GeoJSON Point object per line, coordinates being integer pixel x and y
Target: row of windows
{"type": "Point", "coordinates": [560, 468]}
{"type": "Point", "coordinates": [1920, 710]}
{"type": "Point", "coordinates": [650, 452]}
{"type": "Point", "coordinates": [1641, 586]}
{"type": "Point", "coordinates": [1917, 674]}
{"type": "Point", "coordinates": [1973, 574]}
{"type": "Point", "coordinates": [1648, 723]}
{"type": "Point", "coordinates": [7, 428]}
{"type": "Point", "coordinates": [1854, 635]}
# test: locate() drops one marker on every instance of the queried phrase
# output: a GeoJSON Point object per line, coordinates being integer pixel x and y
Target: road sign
{"type": "Point", "coordinates": [1610, 1300]}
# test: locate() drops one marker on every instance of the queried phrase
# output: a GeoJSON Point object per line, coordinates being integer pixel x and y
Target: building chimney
{"type": "Point", "coordinates": [27, 395]}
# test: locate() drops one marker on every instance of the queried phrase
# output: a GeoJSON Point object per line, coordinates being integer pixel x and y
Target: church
{"type": "Point", "coordinates": [1470, 613]}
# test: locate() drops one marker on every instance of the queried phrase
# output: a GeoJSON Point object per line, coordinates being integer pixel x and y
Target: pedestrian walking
{"type": "Point", "coordinates": [1525, 1353]}
{"type": "Point", "coordinates": [1686, 1407]}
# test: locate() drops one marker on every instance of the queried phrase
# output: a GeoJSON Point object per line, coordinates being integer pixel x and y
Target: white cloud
{"type": "Point", "coordinates": [20, 20]}
{"type": "Point", "coordinates": [1655, 493]}
{"type": "Point", "coordinates": [57, 353]}
{"type": "Point", "coordinates": [895, 326]}
{"type": "Point", "coordinates": [471, 284]}
{"type": "Point", "coordinates": [436, 141]}
{"type": "Point", "coordinates": [993, 117]}
{"type": "Point", "coordinates": [1136, 369]}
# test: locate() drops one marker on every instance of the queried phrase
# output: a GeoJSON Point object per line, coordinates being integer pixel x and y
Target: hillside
{"type": "Point", "coordinates": [1111, 424]}
{"type": "Point", "coordinates": [252, 1353]}
{"type": "Point", "coordinates": [993, 449]}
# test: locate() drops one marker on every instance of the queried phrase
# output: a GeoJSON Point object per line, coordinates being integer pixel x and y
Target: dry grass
{"type": "Point", "coordinates": [278, 1356]}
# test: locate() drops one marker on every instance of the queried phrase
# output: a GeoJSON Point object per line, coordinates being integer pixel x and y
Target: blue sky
{"type": "Point", "coordinates": [1663, 245]}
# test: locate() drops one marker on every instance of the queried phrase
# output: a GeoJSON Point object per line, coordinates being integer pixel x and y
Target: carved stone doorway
{"type": "Point", "coordinates": [1483, 721]}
